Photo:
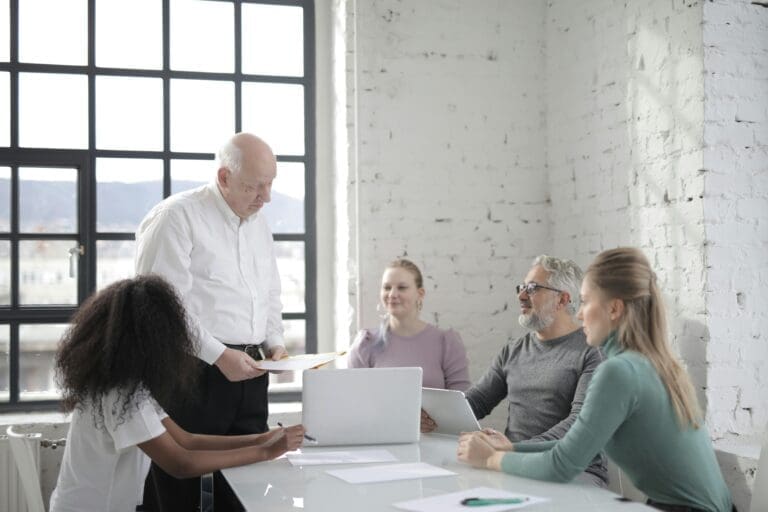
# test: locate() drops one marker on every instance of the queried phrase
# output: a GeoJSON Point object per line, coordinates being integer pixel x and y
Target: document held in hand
{"type": "Point", "coordinates": [300, 362]}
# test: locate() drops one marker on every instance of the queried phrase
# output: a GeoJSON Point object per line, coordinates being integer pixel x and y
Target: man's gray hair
{"type": "Point", "coordinates": [564, 275]}
{"type": "Point", "coordinates": [231, 157]}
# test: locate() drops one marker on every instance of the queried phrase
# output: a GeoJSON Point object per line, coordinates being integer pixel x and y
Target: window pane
{"type": "Point", "coordinates": [273, 40]}
{"type": "Point", "coordinates": [5, 273]}
{"type": "Point", "coordinates": [295, 342]}
{"type": "Point", "coordinates": [114, 261]}
{"type": "Point", "coordinates": [5, 363]}
{"type": "Point", "coordinates": [47, 200]}
{"type": "Point", "coordinates": [53, 31]}
{"type": "Point", "coordinates": [44, 272]}
{"type": "Point", "coordinates": [5, 199]}
{"type": "Point", "coordinates": [285, 212]}
{"type": "Point", "coordinates": [37, 343]}
{"type": "Point", "coordinates": [189, 174]}
{"type": "Point", "coordinates": [275, 112]}
{"type": "Point", "coordinates": [126, 189]}
{"type": "Point", "coordinates": [53, 110]}
{"type": "Point", "coordinates": [202, 36]}
{"type": "Point", "coordinates": [129, 113]}
{"type": "Point", "coordinates": [290, 264]}
{"type": "Point", "coordinates": [5, 109]}
{"type": "Point", "coordinates": [5, 28]}
{"type": "Point", "coordinates": [202, 114]}
{"type": "Point", "coordinates": [118, 44]}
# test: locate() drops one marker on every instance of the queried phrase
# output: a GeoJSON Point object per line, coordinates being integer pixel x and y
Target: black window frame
{"type": "Point", "coordinates": [85, 161]}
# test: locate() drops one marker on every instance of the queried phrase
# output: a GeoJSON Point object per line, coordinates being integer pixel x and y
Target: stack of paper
{"type": "Point", "coordinates": [340, 457]}
{"type": "Point", "coordinates": [370, 474]}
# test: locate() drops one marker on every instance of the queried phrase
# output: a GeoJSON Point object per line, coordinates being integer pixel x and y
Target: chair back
{"type": "Point", "coordinates": [760, 487]}
{"type": "Point", "coordinates": [21, 448]}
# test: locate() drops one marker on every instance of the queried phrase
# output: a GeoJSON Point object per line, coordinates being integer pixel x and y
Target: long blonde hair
{"type": "Point", "coordinates": [624, 273]}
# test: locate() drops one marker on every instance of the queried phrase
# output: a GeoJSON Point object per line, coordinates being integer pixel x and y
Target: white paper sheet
{"type": "Point", "coordinates": [300, 362]}
{"type": "Point", "coordinates": [452, 502]}
{"type": "Point", "coordinates": [314, 458]}
{"type": "Point", "coordinates": [388, 473]}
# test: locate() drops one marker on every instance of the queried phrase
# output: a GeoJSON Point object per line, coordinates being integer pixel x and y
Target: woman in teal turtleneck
{"type": "Point", "coordinates": [640, 406]}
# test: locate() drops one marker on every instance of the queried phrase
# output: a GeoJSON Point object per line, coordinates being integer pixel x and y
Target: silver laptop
{"type": "Point", "coordinates": [450, 410]}
{"type": "Point", "coordinates": [361, 406]}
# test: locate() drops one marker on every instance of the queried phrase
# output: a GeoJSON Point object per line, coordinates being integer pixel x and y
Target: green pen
{"type": "Point", "coordinates": [481, 502]}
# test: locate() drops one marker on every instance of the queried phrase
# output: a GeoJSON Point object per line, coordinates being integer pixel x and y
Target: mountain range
{"type": "Point", "coordinates": [121, 206]}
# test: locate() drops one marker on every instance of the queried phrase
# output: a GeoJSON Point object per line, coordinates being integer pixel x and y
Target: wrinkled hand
{"type": "Point", "coordinates": [474, 449]}
{"type": "Point", "coordinates": [498, 440]}
{"type": "Point", "coordinates": [277, 353]}
{"type": "Point", "coordinates": [427, 423]}
{"type": "Point", "coordinates": [237, 365]}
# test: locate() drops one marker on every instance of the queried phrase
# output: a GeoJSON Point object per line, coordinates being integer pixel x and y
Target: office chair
{"type": "Point", "coordinates": [25, 463]}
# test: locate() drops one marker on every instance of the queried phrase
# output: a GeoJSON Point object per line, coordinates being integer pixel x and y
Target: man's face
{"type": "Point", "coordinates": [537, 310]}
{"type": "Point", "coordinates": [247, 191]}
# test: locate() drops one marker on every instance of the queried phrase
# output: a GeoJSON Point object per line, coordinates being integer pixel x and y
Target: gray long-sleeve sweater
{"type": "Point", "coordinates": [545, 383]}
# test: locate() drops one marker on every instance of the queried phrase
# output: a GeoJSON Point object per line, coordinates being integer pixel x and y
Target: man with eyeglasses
{"type": "Point", "coordinates": [545, 373]}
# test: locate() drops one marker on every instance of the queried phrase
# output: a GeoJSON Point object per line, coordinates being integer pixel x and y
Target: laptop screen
{"type": "Point", "coordinates": [362, 405]}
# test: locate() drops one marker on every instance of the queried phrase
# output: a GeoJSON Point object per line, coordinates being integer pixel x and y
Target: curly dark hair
{"type": "Point", "coordinates": [131, 337]}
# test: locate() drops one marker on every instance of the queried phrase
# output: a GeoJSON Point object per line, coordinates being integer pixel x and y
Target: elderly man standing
{"type": "Point", "coordinates": [212, 245]}
{"type": "Point", "coordinates": [544, 374]}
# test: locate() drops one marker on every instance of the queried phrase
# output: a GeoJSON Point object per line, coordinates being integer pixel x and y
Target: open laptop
{"type": "Point", "coordinates": [450, 410]}
{"type": "Point", "coordinates": [362, 406]}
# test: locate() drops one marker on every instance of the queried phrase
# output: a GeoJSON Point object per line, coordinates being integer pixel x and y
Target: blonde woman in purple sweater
{"type": "Point", "coordinates": [404, 339]}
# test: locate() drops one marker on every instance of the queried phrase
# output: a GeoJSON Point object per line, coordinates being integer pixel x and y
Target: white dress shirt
{"type": "Point", "coordinates": [223, 267]}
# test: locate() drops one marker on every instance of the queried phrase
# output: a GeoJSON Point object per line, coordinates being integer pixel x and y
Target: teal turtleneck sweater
{"type": "Point", "coordinates": [628, 414]}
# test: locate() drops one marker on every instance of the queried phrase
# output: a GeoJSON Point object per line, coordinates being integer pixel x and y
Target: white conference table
{"type": "Point", "coordinates": [277, 486]}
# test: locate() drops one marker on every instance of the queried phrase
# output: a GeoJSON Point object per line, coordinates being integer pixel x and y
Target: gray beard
{"type": "Point", "coordinates": [534, 322]}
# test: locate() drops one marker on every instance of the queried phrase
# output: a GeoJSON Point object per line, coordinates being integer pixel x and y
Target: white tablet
{"type": "Point", "coordinates": [450, 410]}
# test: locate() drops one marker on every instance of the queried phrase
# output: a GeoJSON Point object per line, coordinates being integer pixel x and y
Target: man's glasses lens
{"type": "Point", "coordinates": [531, 288]}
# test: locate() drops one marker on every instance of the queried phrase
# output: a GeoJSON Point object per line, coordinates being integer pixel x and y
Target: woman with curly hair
{"type": "Point", "coordinates": [128, 355]}
{"type": "Point", "coordinates": [640, 406]}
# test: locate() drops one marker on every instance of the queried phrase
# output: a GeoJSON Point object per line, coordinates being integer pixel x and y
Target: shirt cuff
{"type": "Point", "coordinates": [210, 350]}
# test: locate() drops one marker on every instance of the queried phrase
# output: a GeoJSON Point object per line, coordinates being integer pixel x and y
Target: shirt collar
{"type": "Point", "coordinates": [230, 216]}
{"type": "Point", "coordinates": [611, 346]}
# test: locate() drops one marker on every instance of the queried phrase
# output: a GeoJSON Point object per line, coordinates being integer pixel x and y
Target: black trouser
{"type": "Point", "coordinates": [218, 407]}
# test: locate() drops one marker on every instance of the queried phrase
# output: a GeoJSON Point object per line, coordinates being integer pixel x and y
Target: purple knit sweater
{"type": "Point", "coordinates": [440, 354]}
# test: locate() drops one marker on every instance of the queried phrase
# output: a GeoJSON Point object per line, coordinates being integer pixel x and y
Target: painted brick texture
{"type": "Point", "coordinates": [487, 132]}
{"type": "Point", "coordinates": [736, 215]}
{"type": "Point", "coordinates": [447, 174]}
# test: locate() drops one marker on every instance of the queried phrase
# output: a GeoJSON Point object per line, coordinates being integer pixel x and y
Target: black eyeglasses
{"type": "Point", "coordinates": [530, 288]}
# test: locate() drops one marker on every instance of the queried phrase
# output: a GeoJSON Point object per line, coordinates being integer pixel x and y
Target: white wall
{"type": "Point", "coordinates": [447, 174]}
{"type": "Point", "coordinates": [736, 216]}
{"type": "Point", "coordinates": [483, 133]}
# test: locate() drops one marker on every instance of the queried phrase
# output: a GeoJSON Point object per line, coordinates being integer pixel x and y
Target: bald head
{"type": "Point", "coordinates": [247, 168]}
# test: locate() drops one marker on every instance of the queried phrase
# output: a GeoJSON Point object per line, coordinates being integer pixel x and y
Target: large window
{"type": "Point", "coordinates": [107, 107]}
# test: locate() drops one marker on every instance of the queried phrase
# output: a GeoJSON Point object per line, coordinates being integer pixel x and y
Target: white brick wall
{"type": "Point", "coordinates": [736, 215]}
{"type": "Point", "coordinates": [483, 133]}
{"type": "Point", "coordinates": [446, 173]}
{"type": "Point", "coordinates": [624, 145]}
